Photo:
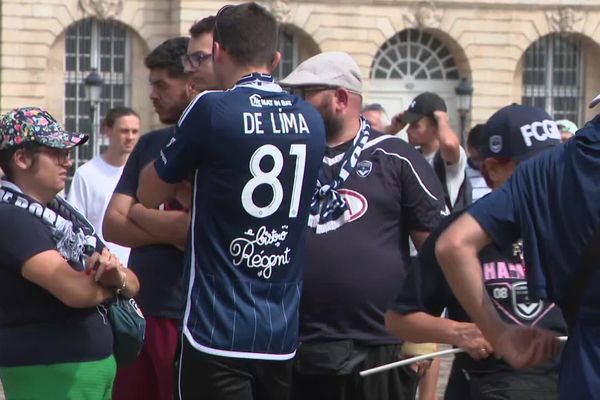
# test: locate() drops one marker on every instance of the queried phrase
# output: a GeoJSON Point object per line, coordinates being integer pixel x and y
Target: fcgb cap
{"type": "Point", "coordinates": [424, 105]}
{"type": "Point", "coordinates": [32, 124]}
{"type": "Point", "coordinates": [519, 132]}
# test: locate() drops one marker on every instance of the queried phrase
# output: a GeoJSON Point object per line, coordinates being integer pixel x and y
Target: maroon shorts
{"type": "Point", "coordinates": [151, 376]}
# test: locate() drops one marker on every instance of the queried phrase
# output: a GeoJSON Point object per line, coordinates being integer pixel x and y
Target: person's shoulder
{"type": "Point", "coordinates": [157, 134]}
{"type": "Point", "coordinates": [90, 167]}
{"type": "Point", "coordinates": [10, 215]}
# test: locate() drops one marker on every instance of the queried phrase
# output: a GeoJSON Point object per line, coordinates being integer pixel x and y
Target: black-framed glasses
{"type": "Point", "coordinates": [194, 60]}
{"type": "Point", "coordinates": [217, 33]}
{"type": "Point", "coordinates": [301, 91]}
{"type": "Point", "coordinates": [62, 156]}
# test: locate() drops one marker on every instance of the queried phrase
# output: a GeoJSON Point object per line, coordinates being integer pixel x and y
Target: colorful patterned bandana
{"type": "Point", "coordinates": [32, 124]}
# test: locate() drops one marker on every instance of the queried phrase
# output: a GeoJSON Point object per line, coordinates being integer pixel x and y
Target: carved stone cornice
{"type": "Point", "coordinates": [563, 19]}
{"type": "Point", "coordinates": [103, 9]}
{"type": "Point", "coordinates": [424, 15]}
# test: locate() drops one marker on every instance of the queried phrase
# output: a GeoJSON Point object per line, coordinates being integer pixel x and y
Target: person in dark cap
{"type": "Point", "coordinates": [415, 314]}
{"type": "Point", "coordinates": [551, 202]}
{"type": "Point", "coordinates": [429, 129]}
{"type": "Point", "coordinates": [54, 270]}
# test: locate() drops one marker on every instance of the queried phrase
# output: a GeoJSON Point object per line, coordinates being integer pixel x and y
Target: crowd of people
{"type": "Point", "coordinates": [280, 238]}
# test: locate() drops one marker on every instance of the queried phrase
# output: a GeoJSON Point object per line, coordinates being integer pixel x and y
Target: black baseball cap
{"type": "Point", "coordinates": [423, 105]}
{"type": "Point", "coordinates": [519, 132]}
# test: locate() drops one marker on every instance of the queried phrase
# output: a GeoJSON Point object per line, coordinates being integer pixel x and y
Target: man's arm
{"type": "Point", "coordinates": [168, 226]}
{"type": "Point", "coordinates": [449, 141]}
{"type": "Point", "coordinates": [120, 229]}
{"type": "Point", "coordinates": [456, 251]}
{"type": "Point", "coordinates": [421, 327]}
{"type": "Point", "coordinates": [152, 190]}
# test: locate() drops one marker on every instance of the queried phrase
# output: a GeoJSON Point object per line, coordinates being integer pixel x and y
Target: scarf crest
{"type": "Point", "coordinates": [328, 209]}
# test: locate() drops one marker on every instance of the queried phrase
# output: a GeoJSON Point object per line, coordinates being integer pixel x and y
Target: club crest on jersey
{"type": "Point", "coordinates": [525, 308]}
{"type": "Point", "coordinates": [255, 100]}
{"type": "Point", "coordinates": [357, 203]}
{"type": "Point", "coordinates": [363, 168]}
{"type": "Point", "coordinates": [496, 143]}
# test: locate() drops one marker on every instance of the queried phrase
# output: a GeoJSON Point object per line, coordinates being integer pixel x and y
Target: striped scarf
{"type": "Point", "coordinates": [73, 234]}
{"type": "Point", "coordinates": [328, 209]}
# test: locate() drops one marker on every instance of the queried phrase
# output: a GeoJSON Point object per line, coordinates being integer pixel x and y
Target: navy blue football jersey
{"type": "Point", "coordinates": [254, 152]}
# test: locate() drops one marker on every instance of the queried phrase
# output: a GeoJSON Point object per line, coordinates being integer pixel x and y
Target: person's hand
{"type": "Point", "coordinates": [107, 269]}
{"type": "Point", "coordinates": [440, 116]}
{"type": "Point", "coordinates": [468, 337]}
{"type": "Point", "coordinates": [420, 367]}
{"type": "Point", "coordinates": [396, 125]}
{"type": "Point", "coordinates": [524, 346]}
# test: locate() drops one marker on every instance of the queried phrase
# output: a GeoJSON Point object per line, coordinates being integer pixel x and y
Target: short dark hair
{"type": "Point", "coordinates": [205, 25]}
{"type": "Point", "coordinates": [475, 136]}
{"type": "Point", "coordinates": [167, 55]}
{"type": "Point", "coordinates": [248, 32]}
{"type": "Point", "coordinates": [115, 113]}
{"type": "Point", "coordinates": [6, 157]}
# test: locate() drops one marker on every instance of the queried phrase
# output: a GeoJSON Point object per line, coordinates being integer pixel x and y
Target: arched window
{"type": "Point", "coordinates": [104, 45]}
{"type": "Point", "coordinates": [414, 54]}
{"type": "Point", "coordinates": [553, 76]}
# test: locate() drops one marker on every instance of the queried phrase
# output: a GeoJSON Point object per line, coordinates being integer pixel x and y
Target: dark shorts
{"type": "Point", "coordinates": [501, 385]}
{"type": "Point", "coordinates": [206, 377]}
{"type": "Point", "coordinates": [343, 382]}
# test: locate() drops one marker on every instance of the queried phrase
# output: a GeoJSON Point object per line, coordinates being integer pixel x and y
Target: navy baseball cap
{"type": "Point", "coordinates": [519, 132]}
{"type": "Point", "coordinates": [423, 105]}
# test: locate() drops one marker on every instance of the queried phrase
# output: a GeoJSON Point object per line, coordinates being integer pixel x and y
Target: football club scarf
{"type": "Point", "coordinates": [74, 235]}
{"type": "Point", "coordinates": [328, 209]}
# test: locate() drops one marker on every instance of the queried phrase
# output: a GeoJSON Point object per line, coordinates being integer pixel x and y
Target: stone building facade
{"type": "Point", "coordinates": [540, 52]}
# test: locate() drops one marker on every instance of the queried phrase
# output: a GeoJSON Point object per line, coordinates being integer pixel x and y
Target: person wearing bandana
{"type": "Point", "coordinates": [55, 272]}
{"type": "Point", "coordinates": [374, 192]}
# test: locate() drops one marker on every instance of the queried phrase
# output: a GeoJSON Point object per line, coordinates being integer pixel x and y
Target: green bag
{"type": "Point", "coordinates": [129, 327]}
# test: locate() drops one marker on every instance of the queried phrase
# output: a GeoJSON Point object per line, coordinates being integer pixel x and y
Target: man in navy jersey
{"type": "Point", "coordinates": [253, 152]}
{"type": "Point", "coordinates": [425, 294]}
{"type": "Point", "coordinates": [551, 201]}
{"type": "Point", "coordinates": [375, 191]}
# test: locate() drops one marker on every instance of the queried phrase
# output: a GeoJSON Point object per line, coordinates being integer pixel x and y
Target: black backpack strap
{"type": "Point", "coordinates": [581, 282]}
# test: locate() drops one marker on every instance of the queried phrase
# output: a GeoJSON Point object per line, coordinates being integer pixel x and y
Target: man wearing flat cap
{"type": "Point", "coordinates": [373, 193]}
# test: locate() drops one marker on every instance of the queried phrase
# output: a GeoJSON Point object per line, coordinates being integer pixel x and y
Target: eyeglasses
{"type": "Point", "coordinates": [301, 91]}
{"type": "Point", "coordinates": [194, 60]}
{"type": "Point", "coordinates": [216, 29]}
{"type": "Point", "coordinates": [62, 156]}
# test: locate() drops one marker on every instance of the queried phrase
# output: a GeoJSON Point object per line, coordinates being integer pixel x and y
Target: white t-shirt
{"type": "Point", "coordinates": [455, 173]}
{"type": "Point", "coordinates": [91, 190]}
{"type": "Point", "coordinates": [480, 188]}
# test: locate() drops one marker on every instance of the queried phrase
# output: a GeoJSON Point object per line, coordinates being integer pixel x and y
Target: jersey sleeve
{"type": "Point", "coordinates": [183, 153]}
{"type": "Point", "coordinates": [425, 288]}
{"type": "Point", "coordinates": [77, 191]}
{"type": "Point", "coordinates": [422, 195]}
{"type": "Point", "coordinates": [497, 214]}
{"type": "Point", "coordinates": [27, 237]}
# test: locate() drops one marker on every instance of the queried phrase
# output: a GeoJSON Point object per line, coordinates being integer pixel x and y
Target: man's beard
{"type": "Point", "coordinates": [333, 126]}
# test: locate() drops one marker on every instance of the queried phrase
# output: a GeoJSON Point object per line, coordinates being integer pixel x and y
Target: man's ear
{"type": "Point", "coordinates": [276, 61]}
{"type": "Point", "coordinates": [342, 98]}
{"type": "Point", "coordinates": [217, 51]}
